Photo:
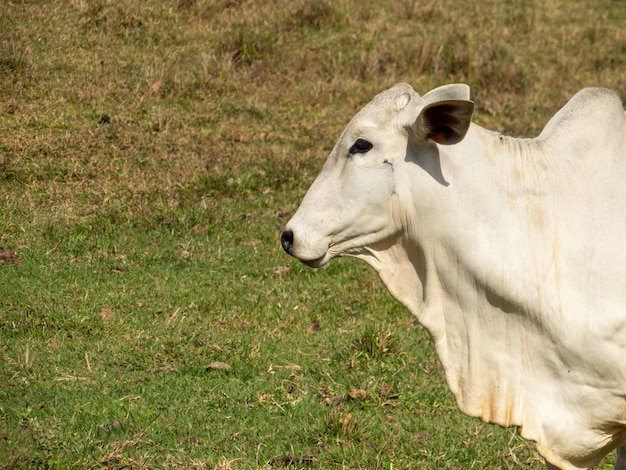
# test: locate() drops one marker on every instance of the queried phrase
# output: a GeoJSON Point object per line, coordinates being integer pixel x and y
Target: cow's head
{"type": "Point", "coordinates": [353, 205]}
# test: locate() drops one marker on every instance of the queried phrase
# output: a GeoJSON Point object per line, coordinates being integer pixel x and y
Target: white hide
{"type": "Point", "coordinates": [511, 252]}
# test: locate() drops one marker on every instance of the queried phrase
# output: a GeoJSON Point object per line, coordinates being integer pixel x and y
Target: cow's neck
{"type": "Point", "coordinates": [439, 274]}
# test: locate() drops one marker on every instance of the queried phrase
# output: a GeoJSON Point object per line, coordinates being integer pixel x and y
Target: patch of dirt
{"type": "Point", "coordinates": [9, 256]}
{"type": "Point", "coordinates": [217, 365]}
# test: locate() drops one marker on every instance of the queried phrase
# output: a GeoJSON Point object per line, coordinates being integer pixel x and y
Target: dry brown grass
{"type": "Point", "coordinates": [193, 86]}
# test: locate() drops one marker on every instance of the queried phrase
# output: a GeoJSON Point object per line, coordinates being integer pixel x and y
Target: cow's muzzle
{"type": "Point", "coordinates": [288, 242]}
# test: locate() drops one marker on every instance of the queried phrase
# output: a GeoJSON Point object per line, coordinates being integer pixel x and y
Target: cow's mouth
{"type": "Point", "coordinates": [316, 263]}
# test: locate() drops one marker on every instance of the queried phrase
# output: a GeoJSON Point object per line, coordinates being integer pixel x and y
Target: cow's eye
{"type": "Point", "coordinates": [360, 146]}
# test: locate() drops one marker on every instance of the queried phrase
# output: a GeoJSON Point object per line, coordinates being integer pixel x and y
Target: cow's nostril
{"type": "Point", "coordinates": [286, 240]}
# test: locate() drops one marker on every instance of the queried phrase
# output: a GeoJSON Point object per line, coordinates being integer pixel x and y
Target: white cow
{"type": "Point", "coordinates": [511, 252]}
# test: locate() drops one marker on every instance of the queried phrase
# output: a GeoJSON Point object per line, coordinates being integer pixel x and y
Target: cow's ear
{"type": "Point", "coordinates": [445, 122]}
{"type": "Point", "coordinates": [453, 91]}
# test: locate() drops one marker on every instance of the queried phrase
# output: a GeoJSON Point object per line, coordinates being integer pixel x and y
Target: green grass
{"type": "Point", "coordinates": [148, 317]}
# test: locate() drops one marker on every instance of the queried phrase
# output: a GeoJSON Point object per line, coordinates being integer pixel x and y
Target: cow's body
{"type": "Point", "coordinates": [511, 252]}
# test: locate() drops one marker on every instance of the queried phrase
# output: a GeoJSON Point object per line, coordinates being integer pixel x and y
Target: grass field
{"type": "Point", "coordinates": [150, 153]}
